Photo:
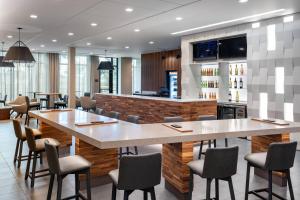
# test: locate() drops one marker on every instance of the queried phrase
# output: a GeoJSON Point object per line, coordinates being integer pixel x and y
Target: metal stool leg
{"type": "Point", "coordinates": [247, 181]}
{"type": "Point", "coordinates": [270, 185]}
{"type": "Point", "coordinates": [290, 185]}
{"type": "Point", "coordinates": [191, 185]}
{"type": "Point", "coordinates": [50, 186]}
{"type": "Point", "coordinates": [88, 185]}
{"type": "Point", "coordinates": [17, 150]}
{"type": "Point", "coordinates": [33, 169]}
{"type": "Point", "coordinates": [208, 184]}
{"type": "Point", "coordinates": [77, 186]}
{"type": "Point", "coordinates": [152, 193]}
{"type": "Point", "coordinates": [59, 187]}
{"type": "Point", "coordinates": [145, 195]}
{"type": "Point", "coordinates": [28, 165]}
{"type": "Point", "coordinates": [217, 188]}
{"type": "Point", "coordinates": [200, 150]}
{"type": "Point", "coordinates": [231, 189]}
{"type": "Point", "coordinates": [114, 192]}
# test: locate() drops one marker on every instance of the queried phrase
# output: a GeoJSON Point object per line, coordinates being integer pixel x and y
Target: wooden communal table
{"type": "Point", "coordinates": [48, 96]}
{"type": "Point", "coordinates": [99, 143]}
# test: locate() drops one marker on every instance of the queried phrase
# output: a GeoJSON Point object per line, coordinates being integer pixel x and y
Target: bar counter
{"type": "Point", "coordinates": [154, 109]}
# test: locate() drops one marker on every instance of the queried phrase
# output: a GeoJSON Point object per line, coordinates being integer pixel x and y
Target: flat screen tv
{"type": "Point", "coordinates": [205, 50]}
{"type": "Point", "coordinates": [233, 47]}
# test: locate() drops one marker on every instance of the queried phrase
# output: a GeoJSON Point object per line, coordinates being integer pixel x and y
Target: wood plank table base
{"type": "Point", "coordinates": [175, 169]}
{"type": "Point", "coordinates": [261, 144]}
{"type": "Point", "coordinates": [103, 161]}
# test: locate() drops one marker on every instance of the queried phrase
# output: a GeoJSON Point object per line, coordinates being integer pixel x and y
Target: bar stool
{"type": "Point", "coordinates": [21, 138]}
{"type": "Point", "coordinates": [99, 111]}
{"type": "Point", "coordinates": [206, 118]}
{"type": "Point", "coordinates": [141, 172]}
{"type": "Point", "coordinates": [218, 164]}
{"type": "Point", "coordinates": [173, 119]}
{"type": "Point", "coordinates": [61, 167]}
{"type": "Point", "coordinates": [279, 158]}
{"type": "Point", "coordinates": [113, 114]}
{"type": "Point", "coordinates": [36, 147]}
{"type": "Point", "coordinates": [133, 119]}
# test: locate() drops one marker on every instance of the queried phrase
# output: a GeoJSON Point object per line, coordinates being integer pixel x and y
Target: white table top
{"type": "Point", "coordinates": [124, 134]}
{"type": "Point", "coordinates": [157, 98]}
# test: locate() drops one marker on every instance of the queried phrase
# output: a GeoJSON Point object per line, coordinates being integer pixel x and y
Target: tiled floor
{"type": "Point", "coordinates": [13, 186]}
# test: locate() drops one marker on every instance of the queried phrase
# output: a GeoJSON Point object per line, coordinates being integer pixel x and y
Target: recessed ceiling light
{"type": "Point", "coordinates": [91, 53]}
{"type": "Point", "coordinates": [129, 9]}
{"type": "Point", "coordinates": [88, 44]}
{"type": "Point", "coordinates": [32, 16]}
{"type": "Point", "coordinates": [42, 45]}
{"type": "Point", "coordinates": [109, 38]}
{"type": "Point", "coordinates": [137, 30]}
{"type": "Point", "coordinates": [54, 40]}
{"type": "Point", "coordinates": [179, 18]}
{"type": "Point", "coordinates": [151, 42]}
{"type": "Point", "coordinates": [256, 25]}
{"type": "Point", "coordinates": [243, 1]}
{"type": "Point", "coordinates": [94, 24]}
{"type": "Point", "coordinates": [70, 34]}
{"type": "Point", "coordinates": [9, 36]}
{"type": "Point", "coordinates": [127, 47]}
{"type": "Point", "coordinates": [64, 51]}
{"type": "Point", "coordinates": [288, 19]}
{"type": "Point", "coordinates": [229, 21]}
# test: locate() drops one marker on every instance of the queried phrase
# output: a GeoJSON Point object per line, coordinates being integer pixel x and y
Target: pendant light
{"type": "Point", "coordinates": [105, 65]}
{"type": "Point", "coordinates": [3, 63]}
{"type": "Point", "coordinates": [19, 52]}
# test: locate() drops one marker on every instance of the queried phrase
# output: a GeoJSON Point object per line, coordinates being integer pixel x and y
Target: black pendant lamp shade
{"type": "Point", "coordinates": [19, 52]}
{"type": "Point", "coordinates": [105, 65]}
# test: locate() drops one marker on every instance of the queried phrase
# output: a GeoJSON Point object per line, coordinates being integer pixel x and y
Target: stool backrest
{"type": "Point", "coordinates": [17, 128]}
{"type": "Point", "coordinates": [220, 162]}
{"type": "Point", "coordinates": [133, 119]}
{"type": "Point", "coordinates": [113, 114]}
{"type": "Point", "coordinates": [139, 172]}
{"type": "Point", "coordinates": [173, 119]}
{"type": "Point", "coordinates": [52, 158]}
{"type": "Point", "coordinates": [99, 111]}
{"type": "Point", "coordinates": [30, 139]}
{"type": "Point", "coordinates": [281, 156]}
{"type": "Point", "coordinates": [207, 117]}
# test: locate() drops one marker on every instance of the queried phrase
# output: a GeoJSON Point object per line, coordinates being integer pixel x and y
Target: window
{"type": "Point", "coordinates": [279, 80]}
{"type": "Point", "coordinates": [63, 74]}
{"type": "Point", "coordinates": [25, 78]}
{"type": "Point", "coordinates": [271, 36]}
{"type": "Point", "coordinates": [136, 75]}
{"type": "Point", "coordinates": [263, 105]}
{"type": "Point", "coordinates": [289, 112]}
{"type": "Point", "coordinates": [83, 75]}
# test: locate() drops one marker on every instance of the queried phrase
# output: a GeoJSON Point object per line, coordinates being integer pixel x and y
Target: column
{"type": "Point", "coordinates": [72, 78]}
{"type": "Point", "coordinates": [126, 75]}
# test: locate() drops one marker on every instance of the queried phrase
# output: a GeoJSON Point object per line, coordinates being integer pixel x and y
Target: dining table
{"type": "Point", "coordinates": [50, 96]}
{"type": "Point", "coordinates": [98, 138]}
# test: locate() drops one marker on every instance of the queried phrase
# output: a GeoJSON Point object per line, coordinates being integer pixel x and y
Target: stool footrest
{"type": "Point", "coordinates": [80, 195]}
{"type": "Point", "coordinates": [256, 193]}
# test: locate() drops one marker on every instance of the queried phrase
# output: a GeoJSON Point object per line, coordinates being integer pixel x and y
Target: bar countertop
{"type": "Point", "coordinates": [157, 98]}
{"type": "Point", "coordinates": [124, 134]}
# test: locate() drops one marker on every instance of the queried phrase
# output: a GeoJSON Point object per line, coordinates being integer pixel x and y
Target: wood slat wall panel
{"type": "Point", "coordinates": [154, 69]}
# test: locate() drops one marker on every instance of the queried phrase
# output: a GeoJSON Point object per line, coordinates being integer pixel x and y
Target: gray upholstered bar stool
{"type": "Point", "coordinates": [133, 119]}
{"type": "Point", "coordinates": [36, 147]}
{"type": "Point", "coordinates": [61, 167]}
{"type": "Point", "coordinates": [113, 114]}
{"type": "Point", "coordinates": [142, 172]}
{"type": "Point", "coordinates": [219, 164]}
{"type": "Point", "coordinates": [279, 158]}
{"type": "Point", "coordinates": [99, 111]}
{"type": "Point", "coordinates": [21, 138]}
{"type": "Point", "coordinates": [206, 118]}
{"type": "Point", "coordinates": [173, 119]}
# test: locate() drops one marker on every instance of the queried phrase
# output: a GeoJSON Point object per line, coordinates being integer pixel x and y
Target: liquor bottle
{"type": "Point", "coordinates": [230, 70]}
{"type": "Point", "coordinates": [242, 70]}
{"type": "Point", "coordinates": [230, 83]}
{"type": "Point", "coordinates": [241, 83]}
{"type": "Point", "coordinates": [237, 96]}
{"type": "Point", "coordinates": [235, 83]}
{"type": "Point", "coordinates": [229, 96]}
{"type": "Point", "coordinates": [236, 70]}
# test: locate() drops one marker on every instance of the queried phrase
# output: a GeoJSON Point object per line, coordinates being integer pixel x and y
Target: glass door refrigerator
{"type": "Point", "coordinates": [172, 84]}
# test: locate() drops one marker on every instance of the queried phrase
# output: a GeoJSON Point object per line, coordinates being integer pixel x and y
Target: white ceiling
{"type": "Point", "coordinates": [155, 19]}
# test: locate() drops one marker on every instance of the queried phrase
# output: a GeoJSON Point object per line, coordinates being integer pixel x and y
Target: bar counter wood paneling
{"type": "Point", "coordinates": [154, 109]}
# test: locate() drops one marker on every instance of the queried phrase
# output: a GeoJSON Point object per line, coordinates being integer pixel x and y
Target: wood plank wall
{"type": "Point", "coordinates": [154, 68]}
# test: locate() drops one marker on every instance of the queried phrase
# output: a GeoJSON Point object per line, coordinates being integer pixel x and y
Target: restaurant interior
{"type": "Point", "coordinates": [160, 99]}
